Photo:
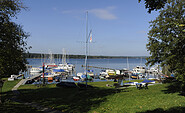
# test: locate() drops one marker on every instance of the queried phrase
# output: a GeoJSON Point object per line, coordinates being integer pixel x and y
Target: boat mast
{"type": "Point", "coordinates": [128, 67]}
{"type": "Point", "coordinates": [64, 56]}
{"type": "Point", "coordinates": [86, 45]}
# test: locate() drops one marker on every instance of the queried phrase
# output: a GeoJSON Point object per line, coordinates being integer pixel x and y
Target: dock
{"type": "Point", "coordinates": [98, 67]}
{"type": "Point", "coordinates": [17, 86]}
{"type": "Point", "coordinates": [31, 78]}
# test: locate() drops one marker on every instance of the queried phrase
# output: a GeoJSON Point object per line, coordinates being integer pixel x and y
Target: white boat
{"type": "Point", "coordinates": [141, 76]}
{"type": "Point", "coordinates": [57, 71]}
{"type": "Point", "coordinates": [139, 70]}
{"type": "Point", "coordinates": [35, 70]}
{"type": "Point", "coordinates": [102, 77]}
{"type": "Point", "coordinates": [11, 79]}
{"type": "Point", "coordinates": [64, 65]}
{"type": "Point", "coordinates": [154, 70]}
{"type": "Point", "coordinates": [110, 72]}
{"type": "Point", "coordinates": [79, 74]}
{"type": "Point", "coordinates": [14, 76]}
{"type": "Point", "coordinates": [48, 75]}
{"type": "Point", "coordinates": [103, 73]}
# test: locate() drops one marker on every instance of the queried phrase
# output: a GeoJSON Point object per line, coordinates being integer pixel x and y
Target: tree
{"type": "Point", "coordinates": [12, 39]}
{"type": "Point", "coordinates": [154, 4]}
{"type": "Point", "coordinates": [166, 39]}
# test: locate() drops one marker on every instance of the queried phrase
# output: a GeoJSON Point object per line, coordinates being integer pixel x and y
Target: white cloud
{"type": "Point", "coordinates": [104, 13]}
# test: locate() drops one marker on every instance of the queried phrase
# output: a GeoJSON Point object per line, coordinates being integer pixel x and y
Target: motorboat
{"type": "Point", "coordinates": [110, 72]}
{"type": "Point", "coordinates": [35, 70]}
{"type": "Point", "coordinates": [139, 70]}
{"type": "Point", "coordinates": [154, 70]}
{"type": "Point", "coordinates": [76, 78]}
{"type": "Point", "coordinates": [134, 76]}
{"type": "Point", "coordinates": [58, 71]}
{"type": "Point", "coordinates": [50, 65]}
{"type": "Point", "coordinates": [102, 77]}
{"type": "Point", "coordinates": [103, 73]}
{"type": "Point", "coordinates": [90, 73]}
{"type": "Point", "coordinates": [141, 76]}
{"type": "Point", "coordinates": [66, 66]}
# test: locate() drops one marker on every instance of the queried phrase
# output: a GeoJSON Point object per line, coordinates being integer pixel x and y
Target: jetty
{"type": "Point", "coordinates": [31, 78]}
{"type": "Point", "coordinates": [97, 67]}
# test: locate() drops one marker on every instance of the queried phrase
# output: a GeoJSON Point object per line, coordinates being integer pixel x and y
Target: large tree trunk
{"type": "Point", "coordinates": [1, 86]}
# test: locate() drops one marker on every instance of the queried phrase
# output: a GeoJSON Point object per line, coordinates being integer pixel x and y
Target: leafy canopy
{"type": "Point", "coordinates": [166, 39]}
{"type": "Point", "coordinates": [12, 39]}
{"type": "Point", "coordinates": [154, 4]}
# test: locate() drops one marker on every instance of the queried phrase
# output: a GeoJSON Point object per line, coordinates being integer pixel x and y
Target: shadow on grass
{"type": "Point", "coordinates": [5, 96]}
{"type": "Point", "coordinates": [174, 87]}
{"type": "Point", "coordinates": [9, 107]}
{"type": "Point", "coordinates": [68, 99]}
{"type": "Point", "coordinates": [171, 110]}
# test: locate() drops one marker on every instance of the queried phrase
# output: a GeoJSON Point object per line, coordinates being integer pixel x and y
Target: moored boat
{"type": "Point", "coordinates": [139, 70]}
{"type": "Point", "coordinates": [76, 78]}
{"type": "Point", "coordinates": [35, 70]}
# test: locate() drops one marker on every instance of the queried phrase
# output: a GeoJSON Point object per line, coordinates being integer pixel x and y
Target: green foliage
{"type": "Point", "coordinates": [166, 39]}
{"type": "Point", "coordinates": [154, 4]}
{"type": "Point", "coordinates": [12, 39]}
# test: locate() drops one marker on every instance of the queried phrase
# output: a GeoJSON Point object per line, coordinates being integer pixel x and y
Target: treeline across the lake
{"type": "Point", "coordinates": [41, 55]}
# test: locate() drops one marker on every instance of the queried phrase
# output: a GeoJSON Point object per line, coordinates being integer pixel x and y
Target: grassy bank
{"type": "Point", "coordinates": [7, 88]}
{"type": "Point", "coordinates": [9, 106]}
{"type": "Point", "coordinates": [105, 99]}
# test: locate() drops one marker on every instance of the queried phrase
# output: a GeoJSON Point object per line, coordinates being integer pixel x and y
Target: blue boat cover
{"type": "Point", "coordinates": [134, 74]}
{"type": "Point", "coordinates": [83, 76]}
{"type": "Point", "coordinates": [58, 70]}
{"type": "Point", "coordinates": [89, 70]}
{"type": "Point", "coordinates": [147, 81]}
{"type": "Point", "coordinates": [172, 75]}
{"type": "Point", "coordinates": [46, 73]}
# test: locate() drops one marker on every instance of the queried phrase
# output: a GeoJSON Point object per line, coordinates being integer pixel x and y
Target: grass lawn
{"type": "Point", "coordinates": [105, 99]}
{"type": "Point", "coordinates": [7, 88]}
{"type": "Point", "coordinates": [9, 106]}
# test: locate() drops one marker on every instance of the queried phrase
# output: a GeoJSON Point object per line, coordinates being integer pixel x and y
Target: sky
{"type": "Point", "coordinates": [119, 27]}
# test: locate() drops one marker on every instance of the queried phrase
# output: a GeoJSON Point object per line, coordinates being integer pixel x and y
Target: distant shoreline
{"type": "Point", "coordinates": [39, 55]}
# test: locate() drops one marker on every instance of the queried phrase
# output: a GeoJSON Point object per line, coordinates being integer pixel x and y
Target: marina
{"type": "Point", "coordinates": [114, 69]}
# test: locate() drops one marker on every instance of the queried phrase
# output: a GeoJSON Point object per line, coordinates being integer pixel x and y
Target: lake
{"type": "Point", "coordinates": [118, 63]}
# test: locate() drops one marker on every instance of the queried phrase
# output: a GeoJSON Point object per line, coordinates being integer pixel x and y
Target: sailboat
{"type": "Point", "coordinates": [51, 64]}
{"type": "Point", "coordinates": [88, 38]}
{"type": "Point", "coordinates": [64, 65]}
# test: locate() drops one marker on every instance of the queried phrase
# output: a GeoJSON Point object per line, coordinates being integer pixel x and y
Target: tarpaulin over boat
{"type": "Point", "coordinates": [58, 70]}
{"type": "Point", "coordinates": [148, 81]}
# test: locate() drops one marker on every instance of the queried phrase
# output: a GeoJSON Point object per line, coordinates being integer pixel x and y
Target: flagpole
{"type": "Point", "coordinates": [86, 49]}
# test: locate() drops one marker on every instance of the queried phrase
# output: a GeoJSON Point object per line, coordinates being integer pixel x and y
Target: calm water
{"type": "Point", "coordinates": [106, 63]}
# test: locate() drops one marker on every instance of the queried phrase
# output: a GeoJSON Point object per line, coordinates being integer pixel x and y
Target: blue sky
{"type": "Point", "coordinates": [119, 27]}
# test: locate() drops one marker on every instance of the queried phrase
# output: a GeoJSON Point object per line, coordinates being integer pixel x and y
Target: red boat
{"type": "Point", "coordinates": [76, 78]}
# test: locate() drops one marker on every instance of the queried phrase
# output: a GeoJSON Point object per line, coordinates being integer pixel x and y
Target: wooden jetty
{"type": "Point", "coordinates": [98, 67]}
{"type": "Point", "coordinates": [31, 78]}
